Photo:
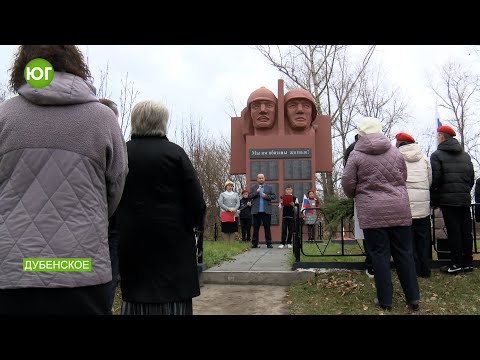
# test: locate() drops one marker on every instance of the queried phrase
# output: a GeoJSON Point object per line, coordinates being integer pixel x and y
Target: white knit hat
{"type": "Point", "coordinates": [369, 125]}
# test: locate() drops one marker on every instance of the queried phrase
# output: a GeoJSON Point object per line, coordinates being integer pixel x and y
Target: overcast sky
{"type": "Point", "coordinates": [196, 80]}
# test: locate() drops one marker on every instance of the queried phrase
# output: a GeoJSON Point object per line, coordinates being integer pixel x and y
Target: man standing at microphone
{"type": "Point", "coordinates": [262, 196]}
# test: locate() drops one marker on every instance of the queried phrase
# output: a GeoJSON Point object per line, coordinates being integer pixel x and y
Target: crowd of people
{"type": "Point", "coordinates": [395, 188]}
{"type": "Point", "coordinates": [72, 188]}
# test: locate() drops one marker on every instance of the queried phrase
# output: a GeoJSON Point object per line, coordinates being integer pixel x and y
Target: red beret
{"type": "Point", "coordinates": [244, 191]}
{"type": "Point", "coordinates": [446, 129]}
{"type": "Point", "coordinates": [402, 136]}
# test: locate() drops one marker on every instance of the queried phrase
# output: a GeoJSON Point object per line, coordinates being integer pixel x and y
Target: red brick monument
{"type": "Point", "coordinates": [283, 138]}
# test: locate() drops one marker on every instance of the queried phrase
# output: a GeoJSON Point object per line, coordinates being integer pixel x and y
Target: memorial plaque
{"type": "Point", "coordinates": [274, 219]}
{"type": "Point", "coordinates": [280, 153]}
{"type": "Point", "coordinates": [300, 188]}
{"type": "Point", "coordinates": [267, 168]}
{"type": "Point", "coordinates": [297, 169]}
{"type": "Point", "coordinates": [276, 191]}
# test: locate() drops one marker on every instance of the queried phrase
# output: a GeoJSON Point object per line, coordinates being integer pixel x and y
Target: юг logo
{"type": "Point", "coordinates": [38, 73]}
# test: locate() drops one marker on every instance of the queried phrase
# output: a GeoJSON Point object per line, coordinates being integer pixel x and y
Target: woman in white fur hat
{"type": "Point", "coordinates": [375, 175]}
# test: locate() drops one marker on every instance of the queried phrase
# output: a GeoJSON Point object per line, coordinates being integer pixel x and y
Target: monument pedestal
{"type": "Point", "coordinates": [282, 162]}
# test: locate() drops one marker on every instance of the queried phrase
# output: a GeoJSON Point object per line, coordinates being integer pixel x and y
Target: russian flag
{"type": "Point", "coordinates": [306, 205]}
{"type": "Point", "coordinates": [437, 116]}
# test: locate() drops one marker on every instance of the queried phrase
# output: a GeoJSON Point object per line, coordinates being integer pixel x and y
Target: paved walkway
{"type": "Point", "coordinates": [259, 259]}
{"type": "Point", "coordinates": [253, 283]}
{"type": "Point", "coordinates": [260, 266]}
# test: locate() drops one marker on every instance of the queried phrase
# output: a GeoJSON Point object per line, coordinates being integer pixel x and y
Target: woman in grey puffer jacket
{"type": "Point", "coordinates": [375, 175]}
{"type": "Point", "coordinates": [62, 171]}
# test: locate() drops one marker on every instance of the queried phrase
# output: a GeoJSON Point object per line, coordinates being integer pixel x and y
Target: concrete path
{"type": "Point", "coordinates": [253, 283]}
{"type": "Point", "coordinates": [259, 259]}
{"type": "Point", "coordinates": [260, 266]}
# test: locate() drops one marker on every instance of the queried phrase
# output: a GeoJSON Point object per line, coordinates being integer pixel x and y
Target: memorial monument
{"type": "Point", "coordinates": [284, 138]}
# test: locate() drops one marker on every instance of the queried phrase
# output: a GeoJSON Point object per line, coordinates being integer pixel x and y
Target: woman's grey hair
{"type": "Point", "coordinates": [149, 118]}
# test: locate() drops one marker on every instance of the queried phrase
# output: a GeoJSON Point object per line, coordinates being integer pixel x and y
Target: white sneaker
{"type": "Point", "coordinates": [289, 246]}
{"type": "Point", "coordinates": [281, 246]}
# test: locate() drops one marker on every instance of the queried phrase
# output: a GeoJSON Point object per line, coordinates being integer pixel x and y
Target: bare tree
{"type": "Point", "coordinates": [342, 88]}
{"type": "Point", "coordinates": [387, 105]}
{"type": "Point", "coordinates": [128, 95]}
{"type": "Point", "coordinates": [3, 95]}
{"type": "Point", "coordinates": [458, 89]}
{"type": "Point", "coordinates": [102, 90]}
{"type": "Point", "coordinates": [234, 106]}
{"type": "Point", "coordinates": [324, 71]}
{"type": "Point", "coordinates": [234, 109]}
{"type": "Point", "coordinates": [5, 92]}
{"type": "Point", "coordinates": [428, 142]}
{"type": "Point", "coordinates": [210, 156]}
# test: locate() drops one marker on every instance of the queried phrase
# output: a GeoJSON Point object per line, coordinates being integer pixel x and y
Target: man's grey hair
{"type": "Point", "coordinates": [149, 118]}
{"type": "Point", "coordinates": [111, 104]}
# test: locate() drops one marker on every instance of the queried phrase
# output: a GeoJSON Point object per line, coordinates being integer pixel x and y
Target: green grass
{"type": "Point", "coordinates": [352, 293]}
{"type": "Point", "coordinates": [332, 249]}
{"type": "Point", "coordinates": [216, 252]}
{"type": "Point", "coordinates": [117, 301]}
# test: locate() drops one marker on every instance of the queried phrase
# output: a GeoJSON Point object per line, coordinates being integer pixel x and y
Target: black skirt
{"type": "Point", "coordinates": [230, 227]}
{"type": "Point", "coordinates": [171, 308]}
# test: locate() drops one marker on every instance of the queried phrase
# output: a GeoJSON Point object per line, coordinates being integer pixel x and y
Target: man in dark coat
{"type": "Point", "coordinates": [452, 180]}
{"type": "Point", "coordinates": [262, 196]}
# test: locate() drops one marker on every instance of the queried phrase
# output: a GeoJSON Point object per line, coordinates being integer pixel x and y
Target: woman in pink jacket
{"type": "Point", "coordinates": [375, 175]}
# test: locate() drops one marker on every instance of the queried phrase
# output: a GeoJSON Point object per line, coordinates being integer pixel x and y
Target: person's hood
{"type": "Point", "coordinates": [411, 152]}
{"type": "Point", "coordinates": [373, 144]}
{"type": "Point", "coordinates": [450, 145]}
{"type": "Point", "coordinates": [65, 89]}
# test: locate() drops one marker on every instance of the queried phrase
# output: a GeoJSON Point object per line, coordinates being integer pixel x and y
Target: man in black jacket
{"type": "Point", "coordinates": [261, 195]}
{"type": "Point", "coordinates": [452, 181]}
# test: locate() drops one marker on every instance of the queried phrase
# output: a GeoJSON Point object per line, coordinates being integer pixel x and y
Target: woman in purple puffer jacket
{"type": "Point", "coordinates": [375, 175]}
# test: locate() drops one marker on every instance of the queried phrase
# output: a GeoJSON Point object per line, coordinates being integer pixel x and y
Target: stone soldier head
{"type": "Point", "coordinates": [262, 109]}
{"type": "Point", "coordinates": [300, 109]}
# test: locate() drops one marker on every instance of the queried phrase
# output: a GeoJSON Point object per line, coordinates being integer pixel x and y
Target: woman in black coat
{"type": "Point", "coordinates": [161, 204]}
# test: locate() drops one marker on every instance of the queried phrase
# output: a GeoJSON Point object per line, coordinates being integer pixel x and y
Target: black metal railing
{"type": "Point", "coordinates": [322, 243]}
{"type": "Point", "coordinates": [199, 240]}
{"type": "Point", "coordinates": [298, 248]}
{"type": "Point", "coordinates": [434, 240]}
